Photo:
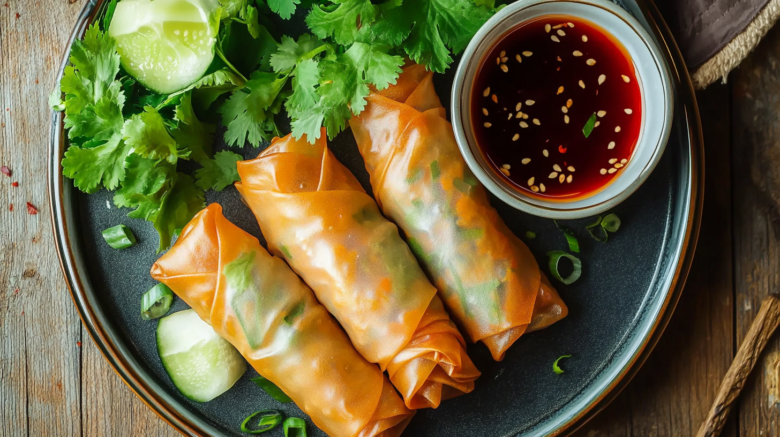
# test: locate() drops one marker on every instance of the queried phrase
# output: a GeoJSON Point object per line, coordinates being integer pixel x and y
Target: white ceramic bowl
{"type": "Point", "coordinates": [654, 84]}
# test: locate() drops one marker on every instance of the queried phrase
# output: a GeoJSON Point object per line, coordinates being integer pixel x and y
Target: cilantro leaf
{"type": "Point", "coordinates": [179, 205]}
{"type": "Point", "coordinates": [194, 136]}
{"type": "Point", "coordinates": [246, 113]}
{"type": "Point", "coordinates": [304, 97]}
{"type": "Point", "coordinates": [342, 22]}
{"type": "Point", "coordinates": [285, 8]}
{"type": "Point", "coordinates": [291, 52]}
{"type": "Point", "coordinates": [244, 51]}
{"type": "Point", "coordinates": [89, 167]}
{"type": "Point", "coordinates": [55, 100]}
{"type": "Point", "coordinates": [232, 8]}
{"type": "Point", "coordinates": [145, 183]}
{"type": "Point", "coordinates": [219, 172]}
{"type": "Point", "coordinates": [95, 64]}
{"type": "Point", "coordinates": [147, 134]}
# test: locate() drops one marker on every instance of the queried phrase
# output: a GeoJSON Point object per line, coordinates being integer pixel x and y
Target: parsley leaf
{"type": "Point", "coordinates": [178, 207]}
{"type": "Point", "coordinates": [147, 134]}
{"type": "Point", "coordinates": [343, 20]}
{"type": "Point", "coordinates": [248, 113]}
{"type": "Point", "coordinates": [219, 172]}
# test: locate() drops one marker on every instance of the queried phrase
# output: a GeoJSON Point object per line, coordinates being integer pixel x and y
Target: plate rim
{"type": "Point", "coordinates": [190, 424]}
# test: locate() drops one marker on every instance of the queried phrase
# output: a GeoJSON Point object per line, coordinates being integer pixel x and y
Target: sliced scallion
{"type": "Point", "coordinates": [611, 223]}
{"type": "Point", "coordinates": [272, 389]}
{"type": "Point", "coordinates": [555, 257]}
{"type": "Point", "coordinates": [156, 302]}
{"type": "Point", "coordinates": [597, 232]}
{"type": "Point", "coordinates": [530, 235]}
{"type": "Point", "coordinates": [557, 369]}
{"type": "Point", "coordinates": [294, 427]}
{"type": "Point", "coordinates": [119, 237]}
{"type": "Point", "coordinates": [268, 421]}
{"type": "Point", "coordinates": [589, 125]}
{"type": "Point", "coordinates": [574, 244]}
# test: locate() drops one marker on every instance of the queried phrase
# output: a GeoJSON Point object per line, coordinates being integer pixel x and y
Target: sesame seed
{"type": "Point", "coordinates": [547, 28]}
{"type": "Point", "coordinates": [561, 178]}
{"type": "Point", "coordinates": [561, 32]}
{"type": "Point", "coordinates": [618, 165]}
{"type": "Point", "coordinates": [510, 116]}
{"type": "Point", "coordinates": [534, 188]}
{"type": "Point", "coordinates": [613, 160]}
{"type": "Point", "coordinates": [526, 160]}
{"type": "Point", "coordinates": [570, 24]}
{"type": "Point", "coordinates": [488, 124]}
{"type": "Point", "coordinates": [556, 167]}
{"type": "Point", "coordinates": [519, 59]}
{"type": "Point", "coordinates": [518, 106]}
{"type": "Point", "coordinates": [591, 62]}
{"type": "Point", "coordinates": [611, 170]}
{"type": "Point", "coordinates": [602, 78]}
{"type": "Point", "coordinates": [603, 171]}
{"type": "Point", "coordinates": [628, 111]}
{"type": "Point", "coordinates": [577, 53]}
{"type": "Point", "coordinates": [560, 89]}
{"type": "Point", "coordinates": [553, 175]}
{"type": "Point", "coordinates": [541, 187]}
{"type": "Point", "coordinates": [519, 115]}
{"type": "Point", "coordinates": [569, 179]}
{"type": "Point", "coordinates": [485, 111]}
{"type": "Point", "coordinates": [494, 98]}
{"type": "Point", "coordinates": [545, 153]}
{"type": "Point", "coordinates": [555, 38]}
{"type": "Point", "coordinates": [506, 172]}
{"type": "Point", "coordinates": [504, 68]}
{"type": "Point", "coordinates": [601, 113]}
{"type": "Point", "coordinates": [625, 78]}
{"type": "Point", "coordinates": [498, 61]}
{"type": "Point", "coordinates": [531, 181]}
{"type": "Point", "coordinates": [525, 116]}
{"type": "Point", "coordinates": [486, 92]}
{"type": "Point", "coordinates": [617, 129]}
{"type": "Point", "coordinates": [515, 137]}
{"type": "Point", "coordinates": [611, 145]}
{"type": "Point", "coordinates": [528, 54]}
{"type": "Point", "coordinates": [504, 59]}
{"type": "Point", "coordinates": [584, 38]}
{"type": "Point", "coordinates": [530, 102]}
{"type": "Point", "coordinates": [570, 168]}
{"type": "Point", "coordinates": [502, 54]}
{"type": "Point", "coordinates": [597, 124]}
{"type": "Point", "coordinates": [523, 124]}
{"type": "Point", "coordinates": [537, 122]}
{"type": "Point", "coordinates": [506, 166]}
{"type": "Point", "coordinates": [623, 161]}
{"type": "Point", "coordinates": [582, 84]}
{"type": "Point", "coordinates": [564, 109]}
{"type": "Point", "coordinates": [566, 119]}
{"type": "Point", "coordinates": [569, 103]}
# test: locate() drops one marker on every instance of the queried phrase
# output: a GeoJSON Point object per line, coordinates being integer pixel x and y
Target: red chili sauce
{"type": "Point", "coordinates": [533, 97]}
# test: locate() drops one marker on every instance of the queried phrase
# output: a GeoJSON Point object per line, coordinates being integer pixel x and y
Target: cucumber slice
{"type": "Point", "coordinates": [201, 364]}
{"type": "Point", "coordinates": [165, 44]}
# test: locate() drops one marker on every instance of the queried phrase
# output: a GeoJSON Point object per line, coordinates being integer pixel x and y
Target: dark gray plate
{"type": "Point", "coordinates": [617, 309]}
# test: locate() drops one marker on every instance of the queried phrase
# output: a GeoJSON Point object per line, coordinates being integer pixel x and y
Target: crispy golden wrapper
{"type": "Point", "coordinates": [261, 307]}
{"type": "Point", "coordinates": [488, 279]}
{"type": "Point", "coordinates": [315, 214]}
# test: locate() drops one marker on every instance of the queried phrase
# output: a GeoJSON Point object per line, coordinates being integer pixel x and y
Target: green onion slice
{"type": "Point", "coordinates": [268, 421]}
{"type": "Point", "coordinates": [119, 237]}
{"type": "Point", "coordinates": [611, 223]}
{"type": "Point", "coordinates": [589, 125]}
{"type": "Point", "coordinates": [555, 257]}
{"type": "Point", "coordinates": [156, 302]}
{"type": "Point", "coordinates": [557, 369]}
{"type": "Point", "coordinates": [597, 232]}
{"type": "Point", "coordinates": [574, 244]}
{"type": "Point", "coordinates": [272, 389]}
{"type": "Point", "coordinates": [530, 235]}
{"type": "Point", "coordinates": [294, 427]}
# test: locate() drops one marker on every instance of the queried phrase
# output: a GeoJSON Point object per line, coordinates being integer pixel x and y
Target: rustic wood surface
{"type": "Point", "coordinates": [54, 382]}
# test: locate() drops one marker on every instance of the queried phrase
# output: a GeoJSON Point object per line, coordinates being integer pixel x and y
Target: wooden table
{"type": "Point", "coordinates": [54, 382]}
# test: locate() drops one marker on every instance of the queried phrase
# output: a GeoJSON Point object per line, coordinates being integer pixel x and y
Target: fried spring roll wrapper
{"type": "Point", "coordinates": [314, 213]}
{"type": "Point", "coordinates": [261, 307]}
{"type": "Point", "coordinates": [488, 279]}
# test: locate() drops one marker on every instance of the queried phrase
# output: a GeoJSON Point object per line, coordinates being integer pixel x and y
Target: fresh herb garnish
{"type": "Point", "coordinates": [272, 389]}
{"type": "Point", "coordinates": [589, 125]}
{"type": "Point", "coordinates": [601, 228]}
{"type": "Point", "coordinates": [268, 420]}
{"type": "Point", "coordinates": [555, 258]}
{"type": "Point", "coordinates": [557, 369]}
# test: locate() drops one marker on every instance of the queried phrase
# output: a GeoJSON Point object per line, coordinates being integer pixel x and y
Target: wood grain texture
{"type": "Point", "coordinates": [756, 161]}
{"type": "Point", "coordinates": [672, 392]}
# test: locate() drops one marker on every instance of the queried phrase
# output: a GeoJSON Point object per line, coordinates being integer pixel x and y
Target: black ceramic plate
{"type": "Point", "coordinates": [618, 308]}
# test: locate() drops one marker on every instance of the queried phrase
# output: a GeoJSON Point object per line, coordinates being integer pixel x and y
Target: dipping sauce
{"type": "Point", "coordinates": [556, 108]}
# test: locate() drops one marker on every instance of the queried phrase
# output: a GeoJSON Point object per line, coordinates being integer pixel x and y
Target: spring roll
{"type": "Point", "coordinates": [314, 213]}
{"type": "Point", "coordinates": [261, 307]}
{"type": "Point", "coordinates": [488, 279]}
